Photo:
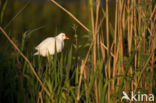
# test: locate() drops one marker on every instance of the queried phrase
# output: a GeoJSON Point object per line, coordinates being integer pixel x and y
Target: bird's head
{"type": "Point", "coordinates": [62, 36]}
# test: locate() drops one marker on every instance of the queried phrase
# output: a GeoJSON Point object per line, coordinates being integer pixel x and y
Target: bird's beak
{"type": "Point", "coordinates": [66, 37]}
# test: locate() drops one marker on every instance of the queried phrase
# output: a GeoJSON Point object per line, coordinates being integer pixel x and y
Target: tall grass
{"type": "Point", "coordinates": [120, 57]}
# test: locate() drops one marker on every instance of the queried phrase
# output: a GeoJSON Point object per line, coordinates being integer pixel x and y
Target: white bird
{"type": "Point", "coordinates": [47, 46]}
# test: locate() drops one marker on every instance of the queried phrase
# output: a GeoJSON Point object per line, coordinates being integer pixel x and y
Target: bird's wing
{"type": "Point", "coordinates": [45, 43]}
{"type": "Point", "coordinates": [59, 45]}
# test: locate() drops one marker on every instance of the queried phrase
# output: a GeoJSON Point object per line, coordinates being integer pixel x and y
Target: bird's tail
{"type": "Point", "coordinates": [37, 53]}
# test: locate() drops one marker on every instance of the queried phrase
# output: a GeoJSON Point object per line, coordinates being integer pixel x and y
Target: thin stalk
{"type": "Point", "coordinates": [69, 13]}
{"type": "Point", "coordinates": [80, 79]}
{"type": "Point", "coordinates": [143, 70]}
{"type": "Point", "coordinates": [26, 59]}
{"type": "Point", "coordinates": [120, 32]}
{"type": "Point", "coordinates": [96, 21]}
{"type": "Point", "coordinates": [107, 49]}
{"type": "Point", "coordinates": [135, 41]}
{"type": "Point", "coordinates": [86, 78]}
{"type": "Point", "coordinates": [94, 50]}
{"type": "Point", "coordinates": [115, 44]}
{"type": "Point", "coordinates": [130, 39]}
{"type": "Point", "coordinates": [102, 49]}
{"type": "Point", "coordinates": [108, 62]}
{"type": "Point", "coordinates": [153, 32]}
{"type": "Point", "coordinates": [21, 78]}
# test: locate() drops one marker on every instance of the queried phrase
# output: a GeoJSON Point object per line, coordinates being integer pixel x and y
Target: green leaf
{"type": "Point", "coordinates": [111, 30]}
{"type": "Point", "coordinates": [3, 11]}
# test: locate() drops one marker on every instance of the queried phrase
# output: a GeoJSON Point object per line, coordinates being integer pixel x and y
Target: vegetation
{"type": "Point", "coordinates": [114, 52]}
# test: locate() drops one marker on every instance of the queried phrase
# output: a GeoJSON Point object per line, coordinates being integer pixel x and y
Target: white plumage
{"type": "Point", "coordinates": [47, 46]}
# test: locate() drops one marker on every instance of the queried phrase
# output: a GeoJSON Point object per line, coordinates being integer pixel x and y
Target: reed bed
{"type": "Point", "coordinates": [120, 57]}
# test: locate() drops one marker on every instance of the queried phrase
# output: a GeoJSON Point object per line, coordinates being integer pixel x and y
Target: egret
{"type": "Point", "coordinates": [47, 46]}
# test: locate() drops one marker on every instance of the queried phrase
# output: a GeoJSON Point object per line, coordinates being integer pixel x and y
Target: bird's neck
{"type": "Point", "coordinates": [58, 38]}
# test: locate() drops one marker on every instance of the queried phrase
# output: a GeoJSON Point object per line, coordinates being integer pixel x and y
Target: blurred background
{"type": "Point", "coordinates": [45, 19]}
